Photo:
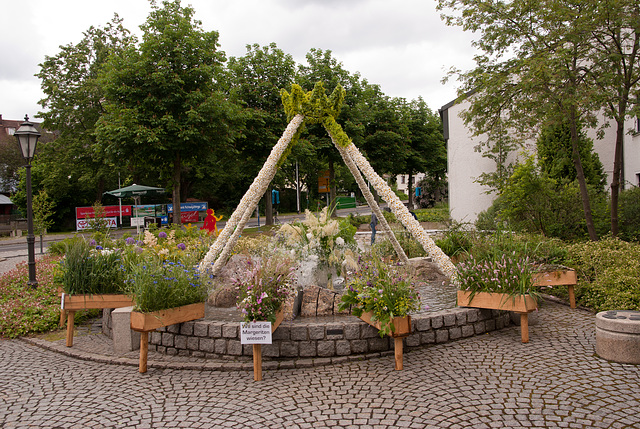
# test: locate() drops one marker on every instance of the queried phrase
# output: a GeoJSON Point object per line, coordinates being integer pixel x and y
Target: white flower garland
{"type": "Point", "coordinates": [220, 250]}
{"type": "Point", "coordinates": [368, 196]}
{"type": "Point", "coordinates": [402, 213]}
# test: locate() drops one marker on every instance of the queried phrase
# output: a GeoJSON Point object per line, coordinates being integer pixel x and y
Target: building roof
{"type": "Point", "coordinates": [4, 200]}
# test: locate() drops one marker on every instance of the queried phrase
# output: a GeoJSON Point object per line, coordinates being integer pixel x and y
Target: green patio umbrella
{"type": "Point", "coordinates": [136, 191]}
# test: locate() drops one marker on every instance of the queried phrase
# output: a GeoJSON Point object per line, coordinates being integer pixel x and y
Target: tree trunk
{"type": "Point", "coordinates": [177, 217]}
{"type": "Point", "coordinates": [584, 193]}
{"type": "Point", "coordinates": [410, 189]}
{"type": "Point", "coordinates": [268, 211]}
{"type": "Point", "coordinates": [617, 169]}
{"type": "Point", "coordinates": [332, 186]}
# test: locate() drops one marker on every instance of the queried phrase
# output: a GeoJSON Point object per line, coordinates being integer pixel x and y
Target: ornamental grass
{"type": "Point", "coordinates": [264, 286]}
{"type": "Point", "coordinates": [88, 268]}
{"type": "Point", "coordinates": [508, 274]}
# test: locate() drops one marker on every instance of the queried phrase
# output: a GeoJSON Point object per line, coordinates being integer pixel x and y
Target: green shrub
{"type": "Point", "coordinates": [535, 203]}
{"type": "Point", "coordinates": [608, 274]}
{"type": "Point", "coordinates": [58, 248]}
{"type": "Point", "coordinates": [390, 217]}
{"type": "Point", "coordinates": [539, 249]}
{"type": "Point", "coordinates": [347, 231]}
{"type": "Point", "coordinates": [362, 220]}
{"type": "Point", "coordinates": [491, 219]}
{"type": "Point", "coordinates": [401, 195]}
{"type": "Point", "coordinates": [358, 220]}
{"type": "Point", "coordinates": [629, 214]}
{"type": "Point", "coordinates": [410, 245]}
{"type": "Point", "coordinates": [457, 239]}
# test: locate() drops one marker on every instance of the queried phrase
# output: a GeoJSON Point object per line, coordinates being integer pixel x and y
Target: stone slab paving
{"type": "Point", "coordinates": [489, 381]}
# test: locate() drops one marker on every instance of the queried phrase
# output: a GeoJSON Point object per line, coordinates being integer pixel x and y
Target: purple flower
{"type": "Point", "coordinates": [162, 234]}
{"type": "Point", "coordinates": [182, 246]}
{"type": "Point", "coordinates": [92, 242]}
{"type": "Point", "coordinates": [140, 243]}
{"type": "Point", "coordinates": [99, 247]}
{"type": "Point", "coordinates": [130, 240]}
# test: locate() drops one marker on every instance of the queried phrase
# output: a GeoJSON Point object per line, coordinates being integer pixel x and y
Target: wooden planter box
{"type": "Point", "coordinates": [69, 304]}
{"type": "Point", "coordinates": [558, 278]}
{"type": "Point", "coordinates": [147, 322]}
{"type": "Point", "coordinates": [402, 325]}
{"type": "Point", "coordinates": [523, 304]}
{"type": "Point", "coordinates": [402, 328]}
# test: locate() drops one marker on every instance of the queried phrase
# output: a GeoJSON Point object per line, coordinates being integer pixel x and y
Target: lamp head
{"type": "Point", "coordinates": [27, 136]}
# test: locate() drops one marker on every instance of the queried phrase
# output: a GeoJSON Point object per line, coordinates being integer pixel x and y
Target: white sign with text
{"type": "Point", "coordinates": [82, 224]}
{"type": "Point", "coordinates": [255, 333]}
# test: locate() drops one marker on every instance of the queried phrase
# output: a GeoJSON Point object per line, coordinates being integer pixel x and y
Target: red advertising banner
{"type": "Point", "coordinates": [87, 212]}
{"type": "Point", "coordinates": [187, 217]}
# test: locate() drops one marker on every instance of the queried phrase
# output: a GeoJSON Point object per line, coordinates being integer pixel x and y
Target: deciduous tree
{"type": "Point", "coordinates": [162, 105]}
{"type": "Point", "coordinates": [534, 68]}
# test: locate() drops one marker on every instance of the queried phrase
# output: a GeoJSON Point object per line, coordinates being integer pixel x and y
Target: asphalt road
{"type": "Point", "coordinates": [16, 247]}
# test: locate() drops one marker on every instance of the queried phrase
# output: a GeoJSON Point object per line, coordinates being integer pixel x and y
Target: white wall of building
{"type": "Point", "coordinates": [632, 154]}
{"type": "Point", "coordinates": [467, 198]}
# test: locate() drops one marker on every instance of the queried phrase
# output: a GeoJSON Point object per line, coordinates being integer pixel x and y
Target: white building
{"type": "Point", "coordinates": [403, 181]}
{"type": "Point", "coordinates": [467, 198]}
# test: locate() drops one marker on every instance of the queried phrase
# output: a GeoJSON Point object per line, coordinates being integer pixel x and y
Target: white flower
{"type": "Point", "coordinates": [340, 241]}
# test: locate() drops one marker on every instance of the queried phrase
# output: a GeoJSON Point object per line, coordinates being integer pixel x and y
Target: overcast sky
{"type": "Point", "coordinates": [401, 45]}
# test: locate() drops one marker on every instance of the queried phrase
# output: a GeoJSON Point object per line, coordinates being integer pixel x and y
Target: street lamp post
{"type": "Point", "coordinates": [28, 138]}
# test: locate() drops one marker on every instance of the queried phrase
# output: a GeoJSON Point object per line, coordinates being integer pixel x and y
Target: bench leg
{"type": "Point", "coordinates": [524, 327]}
{"type": "Point", "coordinates": [572, 296]}
{"type": "Point", "coordinates": [63, 317]}
{"type": "Point", "coordinates": [70, 322]}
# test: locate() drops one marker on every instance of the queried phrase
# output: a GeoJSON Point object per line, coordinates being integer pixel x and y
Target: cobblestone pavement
{"type": "Point", "coordinates": [490, 381]}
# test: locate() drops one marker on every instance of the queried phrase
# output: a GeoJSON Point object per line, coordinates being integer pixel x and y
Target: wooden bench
{"type": "Point", "coordinates": [558, 278]}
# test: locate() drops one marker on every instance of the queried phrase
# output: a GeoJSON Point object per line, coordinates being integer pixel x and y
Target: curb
{"type": "Point", "coordinates": [211, 365]}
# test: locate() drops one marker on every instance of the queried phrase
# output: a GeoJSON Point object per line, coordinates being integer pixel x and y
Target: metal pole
{"type": "Point", "coordinates": [297, 188]}
{"type": "Point", "coordinates": [120, 201]}
{"type": "Point", "coordinates": [31, 239]}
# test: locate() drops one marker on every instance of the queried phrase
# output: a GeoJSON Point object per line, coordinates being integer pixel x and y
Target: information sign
{"type": "Point", "coordinates": [255, 333]}
{"type": "Point", "coordinates": [82, 224]}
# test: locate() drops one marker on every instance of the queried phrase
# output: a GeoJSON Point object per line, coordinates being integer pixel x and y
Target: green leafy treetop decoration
{"type": "Point", "coordinates": [316, 108]}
